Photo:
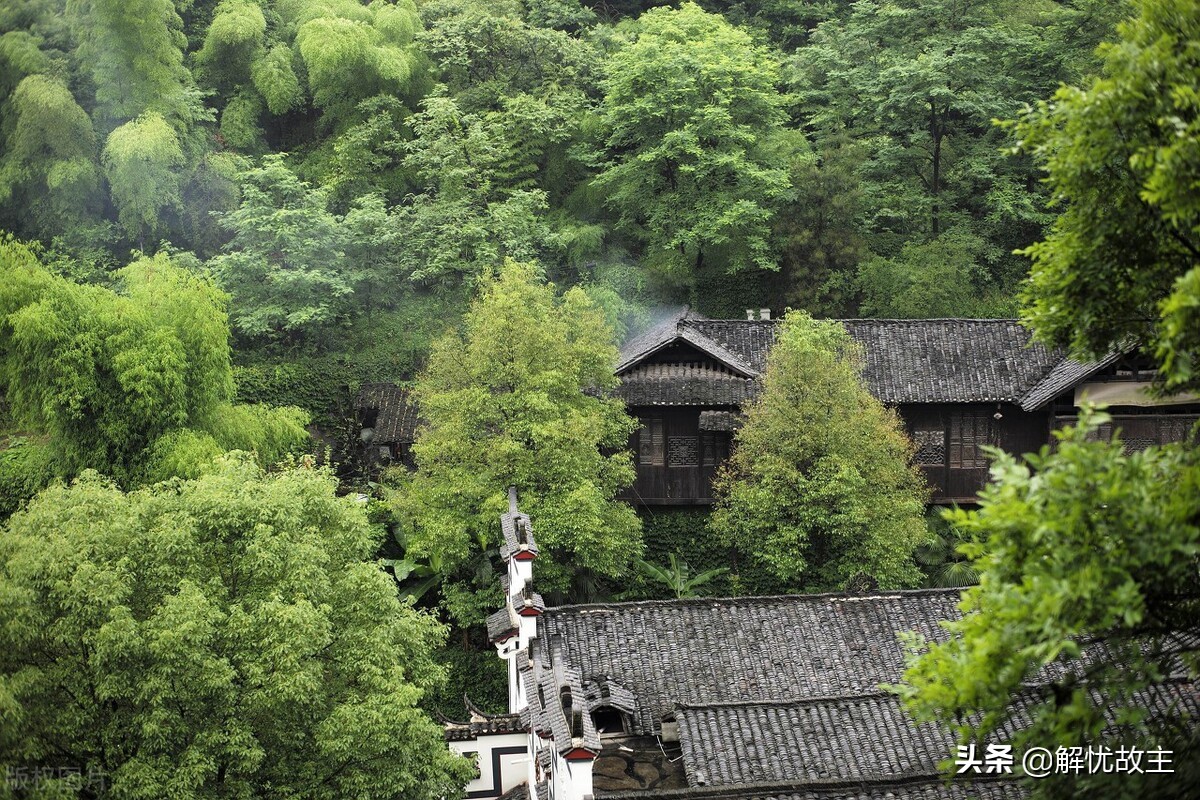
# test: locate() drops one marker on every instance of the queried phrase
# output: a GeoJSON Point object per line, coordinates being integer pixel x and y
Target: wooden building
{"type": "Point", "coordinates": [957, 384]}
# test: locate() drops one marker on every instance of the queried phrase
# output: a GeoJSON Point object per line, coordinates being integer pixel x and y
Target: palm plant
{"type": "Point", "coordinates": [676, 576]}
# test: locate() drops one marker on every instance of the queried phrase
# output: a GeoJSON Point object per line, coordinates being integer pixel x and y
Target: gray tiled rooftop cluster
{"type": "Point", "coordinates": [846, 738]}
{"type": "Point", "coordinates": [928, 787]}
{"type": "Point", "coordinates": [751, 648]}
{"type": "Point", "coordinates": [863, 737]}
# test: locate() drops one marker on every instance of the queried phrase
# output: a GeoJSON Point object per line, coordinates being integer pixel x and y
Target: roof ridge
{"type": "Point", "coordinates": [929, 319]}
{"type": "Point", "coordinates": [749, 599]}
{"type": "Point", "coordinates": [798, 701]}
{"type": "Point", "coordinates": [865, 781]}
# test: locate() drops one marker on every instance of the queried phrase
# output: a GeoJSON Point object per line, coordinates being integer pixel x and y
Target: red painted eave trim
{"type": "Point", "coordinates": [579, 754]}
{"type": "Point", "coordinates": [524, 555]}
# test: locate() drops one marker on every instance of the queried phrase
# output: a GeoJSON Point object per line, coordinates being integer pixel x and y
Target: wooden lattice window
{"type": "Point", "coordinates": [715, 445]}
{"type": "Point", "coordinates": [651, 451]}
{"type": "Point", "coordinates": [931, 446]}
{"type": "Point", "coordinates": [970, 431]}
{"type": "Point", "coordinates": [683, 451]}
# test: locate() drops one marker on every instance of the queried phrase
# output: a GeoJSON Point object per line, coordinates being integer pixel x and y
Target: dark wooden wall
{"type": "Point", "coordinates": [950, 438]}
{"type": "Point", "coordinates": [675, 460]}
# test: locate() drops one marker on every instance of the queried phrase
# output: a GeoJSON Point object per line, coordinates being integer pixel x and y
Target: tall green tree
{"type": "Point", "coordinates": [133, 50]}
{"type": "Point", "coordinates": [917, 85]}
{"type": "Point", "coordinates": [223, 637]}
{"type": "Point", "coordinates": [1087, 554]}
{"type": "Point", "coordinates": [285, 265]}
{"type": "Point", "coordinates": [48, 173]}
{"type": "Point", "coordinates": [472, 216]}
{"type": "Point", "coordinates": [518, 399]}
{"type": "Point", "coordinates": [690, 113]}
{"type": "Point", "coordinates": [1120, 262]}
{"type": "Point", "coordinates": [820, 487]}
{"type": "Point", "coordinates": [113, 378]}
{"type": "Point", "coordinates": [142, 161]}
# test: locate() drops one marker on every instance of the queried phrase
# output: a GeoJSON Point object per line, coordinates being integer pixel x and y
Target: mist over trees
{"type": "Point", "coordinates": [717, 153]}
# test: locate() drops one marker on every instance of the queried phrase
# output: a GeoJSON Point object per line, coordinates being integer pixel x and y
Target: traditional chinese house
{"type": "Point", "coordinates": [745, 698]}
{"type": "Point", "coordinates": [957, 384]}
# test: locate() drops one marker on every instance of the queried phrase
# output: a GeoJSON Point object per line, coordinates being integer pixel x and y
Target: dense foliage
{"type": "Point", "coordinates": [136, 383]}
{"type": "Point", "coordinates": [222, 637]}
{"type": "Point", "coordinates": [829, 153]}
{"type": "Point", "coordinates": [1087, 554]}
{"type": "Point", "coordinates": [517, 400]}
{"type": "Point", "coordinates": [820, 486]}
{"type": "Point", "coordinates": [1122, 159]}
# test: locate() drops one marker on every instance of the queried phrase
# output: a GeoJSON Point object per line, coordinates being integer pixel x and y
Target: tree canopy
{"type": "Point", "coordinates": [1086, 553]}
{"type": "Point", "coordinates": [114, 378]}
{"type": "Point", "coordinates": [1121, 159]}
{"type": "Point", "coordinates": [820, 485]}
{"type": "Point", "coordinates": [518, 399]}
{"type": "Point", "coordinates": [691, 113]}
{"type": "Point", "coordinates": [213, 638]}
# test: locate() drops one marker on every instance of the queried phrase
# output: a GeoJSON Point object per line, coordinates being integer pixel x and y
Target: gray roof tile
{"type": "Point", "coordinates": [906, 361]}
{"type": "Point", "coordinates": [866, 737]}
{"type": "Point", "coordinates": [927, 787]}
{"type": "Point", "coordinates": [752, 648]}
{"type": "Point", "coordinates": [396, 420]}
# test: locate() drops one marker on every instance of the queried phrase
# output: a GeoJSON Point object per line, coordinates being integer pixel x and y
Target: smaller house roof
{"type": "Point", "coordinates": [699, 651]}
{"type": "Point", "coordinates": [396, 413]}
{"type": "Point", "coordinates": [924, 787]}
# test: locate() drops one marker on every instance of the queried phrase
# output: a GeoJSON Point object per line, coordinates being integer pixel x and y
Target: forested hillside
{"type": "Point", "coordinates": [336, 164]}
{"type": "Point", "coordinates": [320, 188]}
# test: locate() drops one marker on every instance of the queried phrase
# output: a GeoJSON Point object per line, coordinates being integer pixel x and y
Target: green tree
{"type": "Point", "coordinates": [48, 172]}
{"type": "Point", "coordinates": [1086, 558]}
{"type": "Point", "coordinates": [916, 85]}
{"type": "Point", "coordinates": [142, 160]}
{"type": "Point", "coordinates": [223, 637]}
{"type": "Point", "coordinates": [1120, 262]}
{"type": "Point", "coordinates": [517, 399]}
{"type": "Point", "coordinates": [107, 375]}
{"type": "Point", "coordinates": [942, 277]}
{"type": "Point", "coordinates": [820, 487]}
{"type": "Point", "coordinates": [134, 52]}
{"type": "Point", "coordinates": [471, 217]}
{"type": "Point", "coordinates": [1087, 554]}
{"type": "Point", "coordinates": [285, 265]}
{"type": "Point", "coordinates": [690, 112]}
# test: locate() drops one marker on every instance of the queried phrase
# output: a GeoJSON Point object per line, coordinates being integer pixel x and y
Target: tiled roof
{"type": "Point", "coordinates": [516, 793]}
{"type": "Point", "coordinates": [865, 738]}
{"type": "Point", "coordinates": [950, 360]}
{"type": "Point", "coordinates": [840, 738]}
{"type": "Point", "coordinates": [518, 533]}
{"type": "Point", "coordinates": [498, 724]}
{"type": "Point", "coordinates": [558, 706]}
{"type": "Point", "coordinates": [685, 384]}
{"type": "Point", "coordinates": [925, 787]}
{"type": "Point", "coordinates": [906, 361]}
{"type": "Point", "coordinates": [396, 420]}
{"type": "Point", "coordinates": [702, 651]}
{"type": "Point", "coordinates": [500, 625]}
{"type": "Point", "coordinates": [1063, 377]}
